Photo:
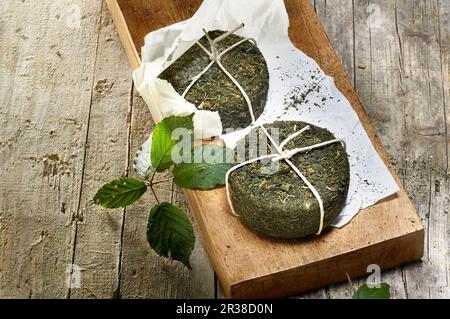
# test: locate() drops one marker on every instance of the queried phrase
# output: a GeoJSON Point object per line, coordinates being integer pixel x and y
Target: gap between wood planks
{"type": "Point", "coordinates": [129, 269]}
{"type": "Point", "coordinates": [43, 159]}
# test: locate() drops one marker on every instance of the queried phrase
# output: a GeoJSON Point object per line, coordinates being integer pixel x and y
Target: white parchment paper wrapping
{"type": "Point", "coordinates": [299, 89]}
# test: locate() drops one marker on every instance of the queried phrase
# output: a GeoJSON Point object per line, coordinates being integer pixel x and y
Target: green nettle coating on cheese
{"type": "Point", "coordinates": [280, 204]}
{"type": "Point", "coordinates": [214, 89]}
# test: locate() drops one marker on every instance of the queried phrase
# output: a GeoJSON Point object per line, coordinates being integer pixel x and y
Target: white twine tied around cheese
{"type": "Point", "coordinates": [282, 154]}
{"type": "Point", "coordinates": [286, 155]}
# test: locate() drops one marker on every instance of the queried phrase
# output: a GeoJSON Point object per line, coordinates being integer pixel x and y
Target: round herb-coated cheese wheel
{"type": "Point", "coordinates": [215, 91]}
{"type": "Point", "coordinates": [277, 202]}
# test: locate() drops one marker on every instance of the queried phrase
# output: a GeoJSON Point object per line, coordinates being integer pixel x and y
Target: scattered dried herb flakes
{"type": "Point", "coordinates": [214, 89]}
{"type": "Point", "coordinates": [279, 204]}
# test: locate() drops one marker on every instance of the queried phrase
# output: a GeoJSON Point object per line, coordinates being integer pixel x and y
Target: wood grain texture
{"type": "Point", "coordinates": [268, 267]}
{"type": "Point", "coordinates": [420, 43]}
{"type": "Point", "coordinates": [45, 94]}
{"type": "Point", "coordinates": [396, 53]}
{"type": "Point", "coordinates": [355, 39]}
{"type": "Point", "coordinates": [98, 233]}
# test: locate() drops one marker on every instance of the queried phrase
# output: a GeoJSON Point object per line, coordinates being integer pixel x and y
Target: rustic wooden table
{"type": "Point", "coordinates": [71, 120]}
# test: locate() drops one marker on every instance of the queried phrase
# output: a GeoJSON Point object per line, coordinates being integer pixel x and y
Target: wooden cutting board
{"type": "Point", "coordinates": [248, 265]}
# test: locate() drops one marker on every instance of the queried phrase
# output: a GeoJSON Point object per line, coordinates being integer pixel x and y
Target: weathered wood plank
{"type": "Point", "coordinates": [383, 31]}
{"type": "Point", "coordinates": [341, 35]}
{"type": "Point", "coordinates": [345, 38]}
{"type": "Point", "coordinates": [46, 74]}
{"type": "Point", "coordinates": [337, 19]}
{"type": "Point", "coordinates": [444, 22]}
{"type": "Point", "coordinates": [40, 181]}
{"type": "Point", "coordinates": [99, 231]}
{"type": "Point", "coordinates": [143, 273]}
{"type": "Point", "coordinates": [371, 15]}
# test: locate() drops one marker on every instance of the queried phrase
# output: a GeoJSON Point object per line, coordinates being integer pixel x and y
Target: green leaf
{"type": "Point", "coordinates": [365, 292]}
{"type": "Point", "coordinates": [170, 233]}
{"type": "Point", "coordinates": [120, 192]}
{"type": "Point", "coordinates": [208, 170]}
{"type": "Point", "coordinates": [162, 142]}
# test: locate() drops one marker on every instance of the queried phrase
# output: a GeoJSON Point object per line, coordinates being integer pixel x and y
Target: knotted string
{"type": "Point", "coordinates": [281, 154]}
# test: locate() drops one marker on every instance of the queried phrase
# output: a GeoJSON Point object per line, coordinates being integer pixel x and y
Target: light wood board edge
{"type": "Point", "coordinates": [414, 239]}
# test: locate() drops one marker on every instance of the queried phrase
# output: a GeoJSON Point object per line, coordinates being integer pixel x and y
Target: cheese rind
{"type": "Point", "coordinates": [215, 91]}
{"type": "Point", "coordinates": [279, 204]}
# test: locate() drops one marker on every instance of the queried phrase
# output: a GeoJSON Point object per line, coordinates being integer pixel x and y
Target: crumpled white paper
{"type": "Point", "coordinates": [299, 89]}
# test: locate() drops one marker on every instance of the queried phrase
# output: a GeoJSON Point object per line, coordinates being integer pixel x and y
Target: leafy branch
{"type": "Point", "coordinates": [169, 232]}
